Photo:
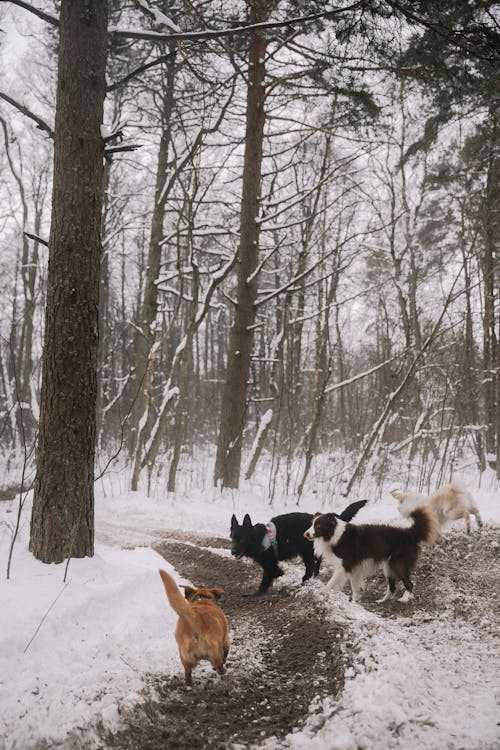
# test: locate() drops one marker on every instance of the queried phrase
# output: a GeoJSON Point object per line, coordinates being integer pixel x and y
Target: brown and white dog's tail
{"type": "Point", "coordinates": [176, 600]}
{"type": "Point", "coordinates": [425, 525]}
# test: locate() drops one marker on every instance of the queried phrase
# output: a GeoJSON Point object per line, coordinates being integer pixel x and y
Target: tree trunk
{"type": "Point", "coordinates": [490, 290]}
{"type": "Point", "coordinates": [146, 339]}
{"type": "Point", "coordinates": [62, 522]}
{"type": "Point", "coordinates": [228, 459]}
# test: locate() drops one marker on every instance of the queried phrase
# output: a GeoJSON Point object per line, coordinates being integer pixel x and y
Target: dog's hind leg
{"type": "Point", "coordinates": [474, 510]}
{"type": "Point", "coordinates": [400, 570]}
{"type": "Point", "coordinates": [466, 517]}
{"type": "Point", "coordinates": [188, 668]}
{"type": "Point", "coordinates": [391, 588]}
{"type": "Point", "coordinates": [218, 660]}
{"type": "Point", "coordinates": [408, 594]}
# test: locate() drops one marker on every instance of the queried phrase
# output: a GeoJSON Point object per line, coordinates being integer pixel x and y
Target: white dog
{"type": "Point", "coordinates": [449, 503]}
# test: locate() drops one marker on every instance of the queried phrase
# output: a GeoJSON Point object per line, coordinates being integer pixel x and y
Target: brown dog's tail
{"type": "Point", "coordinates": [176, 600]}
{"type": "Point", "coordinates": [425, 524]}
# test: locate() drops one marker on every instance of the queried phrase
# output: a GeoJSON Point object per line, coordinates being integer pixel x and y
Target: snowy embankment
{"type": "Point", "coordinates": [73, 652]}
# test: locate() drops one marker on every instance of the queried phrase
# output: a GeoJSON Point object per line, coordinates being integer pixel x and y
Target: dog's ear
{"type": "Point", "coordinates": [217, 593]}
{"type": "Point", "coordinates": [188, 591]}
{"type": "Point", "coordinates": [398, 495]}
{"type": "Point", "coordinates": [234, 521]}
{"type": "Point", "coordinates": [247, 521]}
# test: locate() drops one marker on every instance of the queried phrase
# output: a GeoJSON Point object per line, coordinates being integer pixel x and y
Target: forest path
{"type": "Point", "coordinates": [282, 655]}
{"type": "Point", "coordinates": [291, 647]}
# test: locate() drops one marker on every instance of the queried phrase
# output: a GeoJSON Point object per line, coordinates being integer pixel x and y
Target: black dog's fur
{"type": "Point", "coordinates": [246, 541]}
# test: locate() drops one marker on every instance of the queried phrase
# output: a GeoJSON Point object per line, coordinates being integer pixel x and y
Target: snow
{"type": "Point", "coordinates": [76, 646]}
{"type": "Point", "coordinates": [412, 687]}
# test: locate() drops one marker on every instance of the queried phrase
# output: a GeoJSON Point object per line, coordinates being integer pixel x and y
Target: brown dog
{"type": "Point", "coordinates": [202, 630]}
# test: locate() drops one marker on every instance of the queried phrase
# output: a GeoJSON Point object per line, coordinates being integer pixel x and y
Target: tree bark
{"type": "Point", "coordinates": [62, 522]}
{"type": "Point", "coordinates": [490, 286]}
{"type": "Point", "coordinates": [233, 415]}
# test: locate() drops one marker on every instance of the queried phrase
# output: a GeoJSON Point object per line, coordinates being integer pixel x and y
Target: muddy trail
{"type": "Point", "coordinates": [280, 658]}
{"type": "Point", "coordinates": [286, 650]}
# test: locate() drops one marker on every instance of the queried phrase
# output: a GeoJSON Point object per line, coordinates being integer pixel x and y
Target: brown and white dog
{"type": "Point", "coordinates": [360, 550]}
{"type": "Point", "coordinates": [448, 503]}
{"type": "Point", "coordinates": [202, 630]}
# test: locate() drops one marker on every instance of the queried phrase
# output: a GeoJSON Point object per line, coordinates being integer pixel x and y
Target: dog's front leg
{"type": "Point", "coordinates": [338, 579]}
{"type": "Point", "coordinates": [356, 580]}
{"type": "Point", "coordinates": [267, 579]}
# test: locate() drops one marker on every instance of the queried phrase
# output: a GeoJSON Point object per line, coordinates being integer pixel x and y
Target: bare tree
{"type": "Point", "coordinates": [234, 402]}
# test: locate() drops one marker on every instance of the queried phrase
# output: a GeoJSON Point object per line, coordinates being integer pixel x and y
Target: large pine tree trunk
{"type": "Point", "coordinates": [62, 523]}
{"type": "Point", "coordinates": [233, 415]}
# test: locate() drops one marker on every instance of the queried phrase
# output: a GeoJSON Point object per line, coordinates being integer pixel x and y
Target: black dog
{"type": "Point", "coordinates": [281, 539]}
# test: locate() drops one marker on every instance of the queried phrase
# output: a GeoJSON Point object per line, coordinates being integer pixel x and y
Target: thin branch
{"type": "Point", "coordinates": [141, 69]}
{"type": "Point", "coordinates": [36, 12]}
{"type": "Point", "coordinates": [36, 238]}
{"type": "Point", "coordinates": [41, 124]}
{"type": "Point", "coordinates": [45, 617]}
{"type": "Point", "coordinates": [365, 373]}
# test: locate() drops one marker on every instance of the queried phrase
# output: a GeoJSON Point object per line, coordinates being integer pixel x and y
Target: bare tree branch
{"type": "Point", "coordinates": [41, 124]}
{"type": "Point", "coordinates": [36, 12]}
{"type": "Point", "coordinates": [37, 239]}
{"type": "Point", "coordinates": [141, 69]}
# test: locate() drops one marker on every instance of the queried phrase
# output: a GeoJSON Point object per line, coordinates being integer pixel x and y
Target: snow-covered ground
{"type": "Point", "coordinates": [73, 651]}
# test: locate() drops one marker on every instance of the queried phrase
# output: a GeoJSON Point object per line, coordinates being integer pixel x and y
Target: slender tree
{"type": "Point", "coordinates": [234, 402]}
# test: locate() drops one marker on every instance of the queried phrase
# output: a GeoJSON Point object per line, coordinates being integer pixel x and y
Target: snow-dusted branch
{"type": "Point", "coordinates": [364, 374]}
{"type": "Point", "coordinates": [161, 21]}
{"type": "Point", "coordinates": [234, 31]}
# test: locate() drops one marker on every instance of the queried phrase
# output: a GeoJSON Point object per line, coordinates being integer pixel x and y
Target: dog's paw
{"type": "Point", "coordinates": [253, 594]}
{"type": "Point", "coordinates": [407, 597]}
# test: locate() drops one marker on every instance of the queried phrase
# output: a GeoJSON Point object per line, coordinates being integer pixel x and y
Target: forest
{"type": "Point", "coordinates": [266, 233]}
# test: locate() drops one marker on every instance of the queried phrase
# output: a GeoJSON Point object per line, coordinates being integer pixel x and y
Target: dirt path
{"type": "Point", "coordinates": [287, 651]}
{"type": "Point", "coordinates": [270, 680]}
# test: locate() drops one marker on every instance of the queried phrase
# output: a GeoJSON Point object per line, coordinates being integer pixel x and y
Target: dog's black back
{"type": "Point", "coordinates": [247, 541]}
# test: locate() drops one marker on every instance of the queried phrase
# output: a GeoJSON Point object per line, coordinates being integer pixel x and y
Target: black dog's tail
{"type": "Point", "coordinates": [351, 510]}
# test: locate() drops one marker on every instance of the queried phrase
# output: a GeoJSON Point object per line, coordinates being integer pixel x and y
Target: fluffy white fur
{"type": "Point", "coordinates": [449, 503]}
